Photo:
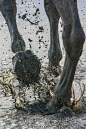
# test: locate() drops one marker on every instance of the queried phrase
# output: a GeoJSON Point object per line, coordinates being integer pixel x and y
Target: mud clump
{"type": "Point", "coordinates": [26, 66]}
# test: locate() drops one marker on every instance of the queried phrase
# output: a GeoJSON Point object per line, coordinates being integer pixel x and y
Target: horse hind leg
{"type": "Point", "coordinates": [54, 53]}
{"type": "Point", "coordinates": [8, 10]}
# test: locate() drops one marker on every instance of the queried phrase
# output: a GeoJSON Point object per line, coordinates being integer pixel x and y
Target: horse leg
{"type": "Point", "coordinates": [8, 9]}
{"type": "Point", "coordinates": [1, 2]}
{"type": "Point", "coordinates": [73, 39]}
{"type": "Point", "coordinates": [54, 53]}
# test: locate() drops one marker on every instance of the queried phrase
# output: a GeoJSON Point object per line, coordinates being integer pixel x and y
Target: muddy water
{"type": "Point", "coordinates": [10, 118]}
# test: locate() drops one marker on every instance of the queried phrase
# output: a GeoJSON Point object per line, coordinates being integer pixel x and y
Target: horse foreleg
{"type": "Point", "coordinates": [8, 9]}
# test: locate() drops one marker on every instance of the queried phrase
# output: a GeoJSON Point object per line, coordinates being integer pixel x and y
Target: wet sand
{"type": "Point", "coordinates": [10, 118]}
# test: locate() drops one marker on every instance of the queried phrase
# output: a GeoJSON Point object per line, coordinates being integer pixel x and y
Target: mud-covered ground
{"type": "Point", "coordinates": [35, 30]}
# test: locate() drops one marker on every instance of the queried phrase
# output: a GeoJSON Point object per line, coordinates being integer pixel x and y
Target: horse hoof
{"type": "Point", "coordinates": [26, 66]}
{"type": "Point", "coordinates": [53, 106]}
{"type": "Point", "coordinates": [65, 112]}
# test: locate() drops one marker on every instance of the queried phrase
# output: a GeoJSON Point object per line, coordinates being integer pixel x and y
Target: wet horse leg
{"type": "Point", "coordinates": [8, 9]}
{"type": "Point", "coordinates": [54, 53]}
{"type": "Point", "coordinates": [73, 39]}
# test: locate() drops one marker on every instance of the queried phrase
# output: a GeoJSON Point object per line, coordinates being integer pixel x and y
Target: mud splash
{"type": "Point", "coordinates": [43, 91]}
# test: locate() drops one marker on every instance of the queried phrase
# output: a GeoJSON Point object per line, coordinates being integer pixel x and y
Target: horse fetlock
{"type": "Point", "coordinates": [61, 92]}
{"type": "Point", "coordinates": [54, 57]}
{"type": "Point", "coordinates": [54, 104]}
{"type": "Point", "coordinates": [18, 44]}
